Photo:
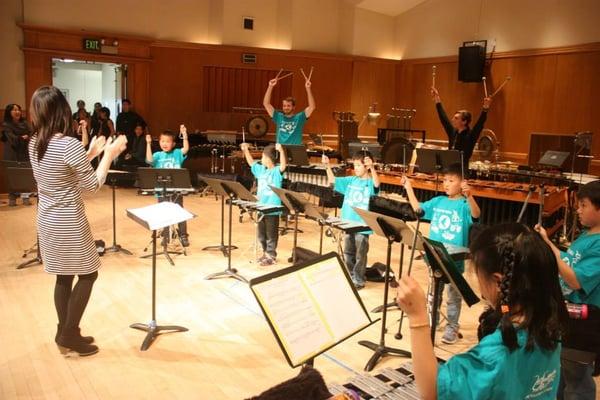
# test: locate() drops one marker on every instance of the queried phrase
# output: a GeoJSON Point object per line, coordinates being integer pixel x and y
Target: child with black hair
{"type": "Point", "coordinates": [357, 191]}
{"type": "Point", "coordinates": [451, 218]}
{"type": "Point", "coordinates": [579, 269]}
{"type": "Point", "coordinates": [170, 157]}
{"type": "Point", "coordinates": [518, 355]}
{"type": "Point", "coordinates": [267, 174]}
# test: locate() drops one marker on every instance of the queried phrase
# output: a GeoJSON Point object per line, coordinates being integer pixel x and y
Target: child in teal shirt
{"type": "Point", "coordinates": [579, 269]}
{"type": "Point", "coordinates": [451, 218]}
{"type": "Point", "coordinates": [267, 174]}
{"type": "Point", "coordinates": [518, 356]}
{"type": "Point", "coordinates": [357, 191]}
{"type": "Point", "coordinates": [170, 157]}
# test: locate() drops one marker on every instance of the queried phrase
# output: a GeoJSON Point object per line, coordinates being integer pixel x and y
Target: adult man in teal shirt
{"type": "Point", "coordinates": [288, 126]}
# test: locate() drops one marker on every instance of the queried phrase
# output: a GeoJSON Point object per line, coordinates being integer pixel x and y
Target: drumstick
{"type": "Point", "coordinates": [322, 144]}
{"type": "Point", "coordinates": [243, 135]}
{"type": "Point", "coordinates": [285, 76]}
{"type": "Point", "coordinates": [303, 74]}
{"type": "Point", "coordinates": [484, 87]}
{"type": "Point", "coordinates": [433, 75]}
{"type": "Point", "coordinates": [501, 86]}
{"type": "Point", "coordinates": [279, 73]}
{"type": "Point", "coordinates": [541, 210]}
{"type": "Point", "coordinates": [310, 73]}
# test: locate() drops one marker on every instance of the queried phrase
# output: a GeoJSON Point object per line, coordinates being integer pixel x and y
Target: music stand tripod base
{"type": "Point", "coordinates": [30, 263]}
{"type": "Point", "coordinates": [228, 273]}
{"type": "Point", "coordinates": [154, 330]}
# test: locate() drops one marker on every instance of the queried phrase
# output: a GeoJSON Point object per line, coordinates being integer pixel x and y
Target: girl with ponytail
{"type": "Point", "coordinates": [518, 356]}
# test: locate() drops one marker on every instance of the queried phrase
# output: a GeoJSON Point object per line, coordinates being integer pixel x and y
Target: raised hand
{"type": "Point", "coordinates": [244, 146]}
{"type": "Point", "coordinates": [97, 146]}
{"type": "Point", "coordinates": [466, 189]}
{"type": "Point", "coordinates": [148, 139]}
{"type": "Point", "coordinates": [368, 162]}
{"type": "Point", "coordinates": [183, 131]}
{"type": "Point", "coordinates": [325, 159]}
{"type": "Point", "coordinates": [115, 146]}
{"type": "Point", "coordinates": [486, 102]}
{"type": "Point", "coordinates": [278, 147]}
{"type": "Point", "coordinates": [273, 82]}
{"type": "Point", "coordinates": [435, 95]}
{"type": "Point", "coordinates": [411, 300]}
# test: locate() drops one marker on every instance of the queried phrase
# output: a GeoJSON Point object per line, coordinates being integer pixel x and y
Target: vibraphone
{"type": "Point", "coordinates": [499, 201]}
{"type": "Point", "coordinates": [388, 384]}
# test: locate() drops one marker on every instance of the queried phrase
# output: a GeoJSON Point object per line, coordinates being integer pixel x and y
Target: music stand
{"type": "Point", "coordinates": [234, 190]}
{"type": "Point", "coordinates": [163, 181]}
{"type": "Point", "coordinates": [154, 217]}
{"type": "Point", "coordinates": [112, 178]}
{"type": "Point", "coordinates": [434, 161]}
{"type": "Point", "coordinates": [444, 270]}
{"type": "Point", "coordinates": [310, 307]}
{"type": "Point", "coordinates": [393, 230]}
{"type": "Point", "coordinates": [218, 189]}
{"type": "Point", "coordinates": [21, 180]}
{"type": "Point", "coordinates": [296, 154]}
{"type": "Point", "coordinates": [311, 211]}
{"type": "Point", "coordinates": [296, 202]}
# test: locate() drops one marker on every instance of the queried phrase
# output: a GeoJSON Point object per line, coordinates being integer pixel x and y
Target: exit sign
{"type": "Point", "coordinates": [91, 45]}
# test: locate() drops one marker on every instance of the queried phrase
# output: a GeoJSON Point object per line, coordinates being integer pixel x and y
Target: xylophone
{"type": "Point", "coordinates": [388, 384]}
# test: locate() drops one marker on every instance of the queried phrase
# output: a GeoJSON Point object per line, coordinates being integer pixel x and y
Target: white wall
{"type": "Point", "coordinates": [109, 93]}
{"type": "Point", "coordinates": [438, 27]}
{"type": "Point", "coordinates": [83, 82]}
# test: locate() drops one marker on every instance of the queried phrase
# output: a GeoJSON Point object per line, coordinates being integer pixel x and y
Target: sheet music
{"type": "Point", "coordinates": [159, 215]}
{"type": "Point", "coordinates": [311, 309]}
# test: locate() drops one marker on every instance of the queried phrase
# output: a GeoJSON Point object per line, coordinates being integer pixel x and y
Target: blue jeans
{"type": "Point", "coordinates": [453, 306]}
{"type": "Point", "coordinates": [356, 247]}
{"type": "Point", "coordinates": [576, 381]}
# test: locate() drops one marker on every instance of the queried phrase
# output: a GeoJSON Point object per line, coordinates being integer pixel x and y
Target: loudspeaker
{"type": "Point", "coordinates": [471, 61]}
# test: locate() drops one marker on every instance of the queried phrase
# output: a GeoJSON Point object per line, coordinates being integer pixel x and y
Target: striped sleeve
{"type": "Point", "coordinates": [76, 158]}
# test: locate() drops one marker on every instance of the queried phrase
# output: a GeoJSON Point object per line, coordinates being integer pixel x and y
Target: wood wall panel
{"type": "Point", "coordinates": [551, 93]}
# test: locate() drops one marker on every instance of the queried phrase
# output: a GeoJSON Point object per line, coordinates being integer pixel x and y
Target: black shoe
{"type": "Point", "coordinates": [70, 343]}
{"type": "Point", "coordinates": [86, 339]}
{"type": "Point", "coordinates": [12, 202]}
{"type": "Point", "coordinates": [26, 201]}
{"type": "Point", "coordinates": [185, 242]}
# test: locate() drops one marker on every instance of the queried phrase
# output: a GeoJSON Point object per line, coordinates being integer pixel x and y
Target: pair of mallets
{"type": "Point", "coordinates": [508, 78]}
{"type": "Point", "coordinates": [278, 77]}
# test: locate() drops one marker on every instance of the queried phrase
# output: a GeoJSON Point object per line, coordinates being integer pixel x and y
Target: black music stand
{"type": "Point", "coordinates": [234, 190]}
{"type": "Point", "coordinates": [153, 218]}
{"type": "Point", "coordinates": [296, 202]}
{"type": "Point", "coordinates": [21, 180]}
{"type": "Point", "coordinates": [112, 178]}
{"type": "Point", "coordinates": [218, 190]}
{"type": "Point", "coordinates": [393, 230]}
{"type": "Point", "coordinates": [296, 154]}
{"type": "Point", "coordinates": [312, 212]}
{"type": "Point", "coordinates": [434, 161]}
{"type": "Point", "coordinates": [444, 270]}
{"type": "Point", "coordinates": [163, 181]}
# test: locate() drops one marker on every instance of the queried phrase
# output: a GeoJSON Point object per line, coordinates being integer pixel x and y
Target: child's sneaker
{"type": "Point", "coordinates": [267, 261]}
{"type": "Point", "coordinates": [450, 335]}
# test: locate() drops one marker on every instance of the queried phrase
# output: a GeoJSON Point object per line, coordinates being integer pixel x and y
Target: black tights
{"type": "Point", "coordinates": [71, 301]}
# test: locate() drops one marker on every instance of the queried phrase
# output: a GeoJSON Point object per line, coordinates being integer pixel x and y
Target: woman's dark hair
{"type": "Point", "coordinates": [590, 191]}
{"type": "Point", "coordinates": [106, 111]}
{"type": "Point", "coordinates": [7, 113]}
{"type": "Point", "coordinates": [271, 153]}
{"type": "Point", "coordinates": [50, 114]}
{"type": "Point", "coordinates": [529, 288]}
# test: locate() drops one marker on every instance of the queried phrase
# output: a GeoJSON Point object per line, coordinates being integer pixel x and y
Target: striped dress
{"type": "Point", "coordinates": [65, 239]}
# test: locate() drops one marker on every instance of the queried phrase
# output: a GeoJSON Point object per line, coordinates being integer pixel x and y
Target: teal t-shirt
{"type": "Point", "coordinates": [357, 192]}
{"type": "Point", "coordinates": [171, 159]}
{"type": "Point", "coordinates": [584, 257]}
{"type": "Point", "coordinates": [267, 177]}
{"type": "Point", "coordinates": [490, 371]}
{"type": "Point", "coordinates": [288, 130]}
{"type": "Point", "coordinates": [450, 221]}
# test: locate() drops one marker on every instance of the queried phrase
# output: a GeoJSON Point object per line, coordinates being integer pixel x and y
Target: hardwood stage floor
{"type": "Point", "coordinates": [229, 351]}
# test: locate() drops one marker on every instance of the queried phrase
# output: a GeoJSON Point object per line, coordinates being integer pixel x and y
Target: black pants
{"type": "Point", "coordinates": [268, 234]}
{"type": "Point", "coordinates": [70, 302]}
{"type": "Point", "coordinates": [178, 199]}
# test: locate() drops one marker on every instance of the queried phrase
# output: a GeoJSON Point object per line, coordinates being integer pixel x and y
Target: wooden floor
{"type": "Point", "coordinates": [229, 351]}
